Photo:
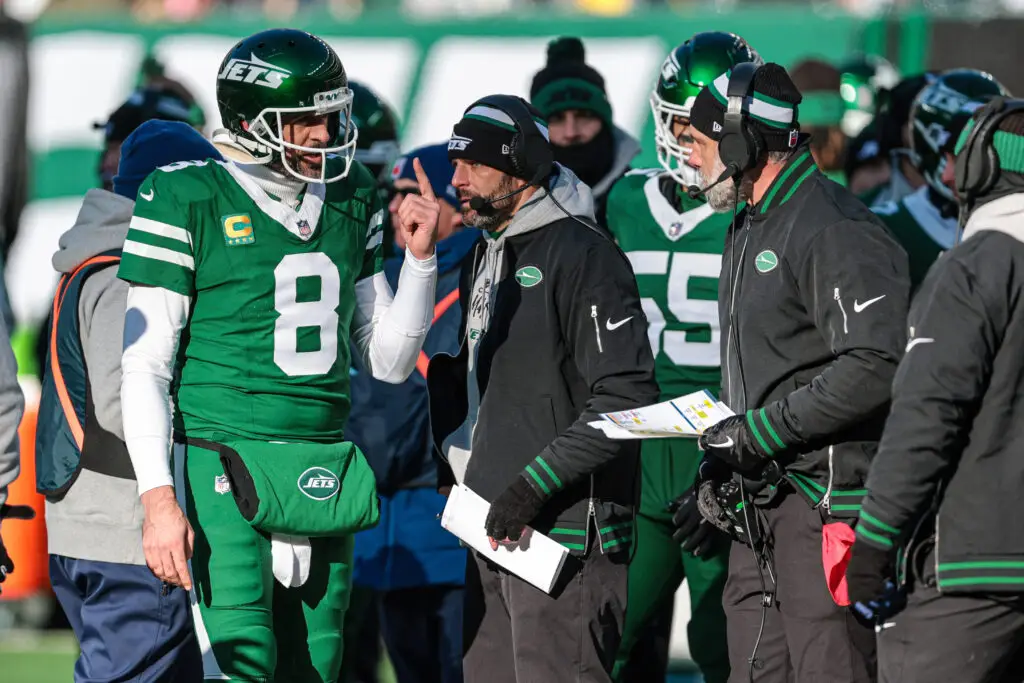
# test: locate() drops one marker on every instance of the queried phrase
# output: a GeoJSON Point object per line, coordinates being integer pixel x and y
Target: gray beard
{"type": "Point", "coordinates": [723, 198]}
{"type": "Point", "coordinates": [494, 215]}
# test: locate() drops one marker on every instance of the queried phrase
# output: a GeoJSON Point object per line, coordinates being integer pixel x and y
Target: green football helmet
{"type": "Point", "coordinates": [939, 112]}
{"type": "Point", "coordinates": [686, 70]}
{"type": "Point", "coordinates": [377, 124]}
{"type": "Point", "coordinates": [862, 78]}
{"type": "Point", "coordinates": [280, 72]}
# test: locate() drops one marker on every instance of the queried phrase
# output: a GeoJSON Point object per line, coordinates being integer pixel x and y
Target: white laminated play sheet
{"type": "Point", "coordinates": [535, 559]}
{"type": "Point", "coordinates": [686, 416]}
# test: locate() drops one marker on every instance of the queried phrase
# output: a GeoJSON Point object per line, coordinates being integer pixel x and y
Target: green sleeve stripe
{"type": "Point", "coordinates": [163, 229]}
{"type": "Point", "coordinates": [540, 482]}
{"type": "Point", "coordinates": [156, 274]}
{"type": "Point", "coordinates": [615, 527]}
{"type": "Point", "coordinates": [568, 532]}
{"type": "Point", "coordinates": [757, 434]}
{"type": "Point", "coordinates": [551, 472]}
{"type": "Point", "coordinates": [871, 536]}
{"type": "Point", "coordinates": [875, 522]}
{"type": "Point", "coordinates": [771, 431]}
{"type": "Point", "coordinates": [614, 542]}
{"type": "Point", "coordinates": [153, 253]}
{"type": "Point", "coordinates": [159, 241]}
{"type": "Point", "coordinates": [575, 546]}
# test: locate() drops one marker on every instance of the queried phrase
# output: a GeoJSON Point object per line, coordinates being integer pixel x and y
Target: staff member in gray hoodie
{"type": "Point", "coordinates": [130, 625]}
{"type": "Point", "coordinates": [552, 335]}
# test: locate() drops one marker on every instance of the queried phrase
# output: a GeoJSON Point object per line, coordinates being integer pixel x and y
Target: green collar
{"type": "Point", "coordinates": [800, 167]}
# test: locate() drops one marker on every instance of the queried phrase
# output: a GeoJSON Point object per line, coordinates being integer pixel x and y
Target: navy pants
{"type": "Point", "coordinates": [422, 629]}
{"type": "Point", "coordinates": [129, 625]}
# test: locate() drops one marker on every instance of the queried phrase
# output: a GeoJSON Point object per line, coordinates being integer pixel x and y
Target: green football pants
{"type": "Point", "coordinates": [669, 467]}
{"type": "Point", "coordinates": [250, 627]}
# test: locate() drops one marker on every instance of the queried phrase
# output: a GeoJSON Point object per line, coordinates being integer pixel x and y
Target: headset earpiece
{"type": "Point", "coordinates": [977, 165]}
{"type": "Point", "coordinates": [741, 144]}
{"type": "Point", "coordinates": [530, 153]}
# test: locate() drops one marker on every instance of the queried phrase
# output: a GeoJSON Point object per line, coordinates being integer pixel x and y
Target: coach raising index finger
{"type": "Point", "coordinates": [418, 216]}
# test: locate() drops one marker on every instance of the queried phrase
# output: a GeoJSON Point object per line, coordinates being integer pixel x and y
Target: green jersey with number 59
{"type": "Point", "coordinates": [265, 354]}
{"type": "Point", "coordinates": [676, 257]}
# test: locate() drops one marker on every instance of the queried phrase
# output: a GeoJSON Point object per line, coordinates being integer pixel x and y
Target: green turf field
{"type": "Point", "coordinates": [30, 657]}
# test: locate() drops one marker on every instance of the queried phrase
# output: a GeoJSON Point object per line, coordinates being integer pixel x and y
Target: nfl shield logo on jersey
{"type": "Point", "coordinates": [304, 228]}
{"type": "Point", "coordinates": [221, 484]}
{"type": "Point", "coordinates": [675, 230]}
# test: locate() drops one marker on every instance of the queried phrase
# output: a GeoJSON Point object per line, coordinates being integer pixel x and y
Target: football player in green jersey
{"type": "Point", "coordinates": [925, 221]}
{"type": "Point", "coordinates": [675, 244]}
{"type": "Point", "coordinates": [247, 280]}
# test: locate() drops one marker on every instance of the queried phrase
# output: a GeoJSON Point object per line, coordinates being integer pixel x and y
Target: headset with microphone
{"type": "Point", "coordinates": [742, 144]}
{"type": "Point", "coordinates": [977, 165]}
{"type": "Point", "coordinates": [530, 153]}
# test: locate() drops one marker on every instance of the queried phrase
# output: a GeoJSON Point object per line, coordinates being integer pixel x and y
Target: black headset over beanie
{"type": "Point", "coordinates": [989, 161]}
{"type": "Point", "coordinates": [506, 133]}
{"type": "Point", "coordinates": [770, 107]}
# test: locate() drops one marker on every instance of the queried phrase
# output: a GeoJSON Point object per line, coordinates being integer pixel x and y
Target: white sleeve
{"type": "Point", "coordinates": [389, 330]}
{"type": "Point", "coordinates": [154, 319]}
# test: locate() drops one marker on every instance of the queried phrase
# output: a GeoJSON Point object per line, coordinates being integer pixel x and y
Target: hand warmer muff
{"type": "Point", "coordinates": [302, 489]}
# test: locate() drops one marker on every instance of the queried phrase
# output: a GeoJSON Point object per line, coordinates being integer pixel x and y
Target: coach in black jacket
{"type": "Point", "coordinates": [553, 335]}
{"type": "Point", "coordinates": [812, 298]}
{"type": "Point", "coordinates": [947, 485]}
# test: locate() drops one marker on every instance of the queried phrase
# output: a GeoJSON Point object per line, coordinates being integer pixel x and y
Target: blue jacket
{"type": "Point", "coordinates": [391, 425]}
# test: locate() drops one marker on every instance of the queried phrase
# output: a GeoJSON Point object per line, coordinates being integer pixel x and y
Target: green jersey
{"type": "Point", "coordinates": [265, 353]}
{"type": "Point", "coordinates": [920, 228]}
{"type": "Point", "coordinates": [677, 258]}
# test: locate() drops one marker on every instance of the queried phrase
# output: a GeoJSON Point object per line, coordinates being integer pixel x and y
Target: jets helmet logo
{"type": "Point", "coordinates": [670, 69]}
{"type": "Point", "coordinates": [319, 483]}
{"type": "Point", "coordinates": [254, 70]}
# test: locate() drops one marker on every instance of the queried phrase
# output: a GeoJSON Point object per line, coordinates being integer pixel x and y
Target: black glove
{"type": "Point", "coordinates": [733, 442]}
{"type": "Point", "coordinates": [867, 572]}
{"type": "Point", "coordinates": [692, 533]}
{"type": "Point", "coordinates": [512, 510]}
{"type": "Point", "coordinates": [11, 512]}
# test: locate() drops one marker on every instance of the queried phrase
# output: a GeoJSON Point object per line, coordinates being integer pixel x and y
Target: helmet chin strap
{"type": "Point", "coordinates": [238, 149]}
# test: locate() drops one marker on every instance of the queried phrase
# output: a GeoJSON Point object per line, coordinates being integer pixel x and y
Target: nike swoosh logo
{"type": "Point", "coordinates": [147, 197]}
{"type": "Point", "coordinates": [609, 325]}
{"type": "Point", "coordinates": [725, 444]}
{"type": "Point", "coordinates": [857, 308]}
{"type": "Point", "coordinates": [920, 340]}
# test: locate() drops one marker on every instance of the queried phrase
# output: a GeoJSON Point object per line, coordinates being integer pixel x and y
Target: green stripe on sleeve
{"type": "Point", "coordinates": [568, 532]}
{"type": "Point", "coordinates": [149, 238]}
{"type": "Point", "coordinates": [540, 482]}
{"type": "Point", "coordinates": [771, 431]}
{"type": "Point", "coordinates": [871, 536]}
{"type": "Point", "coordinates": [757, 434]}
{"type": "Point", "coordinates": [875, 522]}
{"type": "Point", "coordinates": [156, 273]}
{"type": "Point", "coordinates": [551, 473]}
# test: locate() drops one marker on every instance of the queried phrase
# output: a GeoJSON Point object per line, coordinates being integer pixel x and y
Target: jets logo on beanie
{"type": "Point", "coordinates": [485, 134]}
{"type": "Point", "coordinates": [771, 108]}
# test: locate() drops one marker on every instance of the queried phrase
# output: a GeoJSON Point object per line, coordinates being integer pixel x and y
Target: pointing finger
{"type": "Point", "coordinates": [421, 177]}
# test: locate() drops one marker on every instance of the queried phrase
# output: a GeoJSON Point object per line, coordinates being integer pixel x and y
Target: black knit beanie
{"type": "Point", "coordinates": [484, 134]}
{"type": "Point", "coordinates": [772, 109]}
{"type": "Point", "coordinates": [568, 82]}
